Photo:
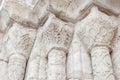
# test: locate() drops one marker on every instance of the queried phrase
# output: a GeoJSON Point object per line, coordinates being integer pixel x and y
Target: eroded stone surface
{"type": "Point", "coordinates": [1, 4]}
{"type": "Point", "coordinates": [20, 40]}
{"type": "Point", "coordinates": [113, 5]}
{"type": "Point", "coordinates": [101, 63]}
{"type": "Point", "coordinates": [18, 45]}
{"type": "Point", "coordinates": [115, 53]}
{"type": "Point", "coordinates": [20, 12]}
{"type": "Point", "coordinates": [3, 61]}
{"type": "Point", "coordinates": [78, 61]}
{"type": "Point", "coordinates": [4, 20]}
{"type": "Point", "coordinates": [56, 34]}
{"type": "Point", "coordinates": [57, 49]}
{"type": "Point", "coordinates": [95, 25]}
{"type": "Point", "coordinates": [96, 32]}
{"type": "Point", "coordinates": [56, 65]}
{"type": "Point", "coordinates": [70, 10]}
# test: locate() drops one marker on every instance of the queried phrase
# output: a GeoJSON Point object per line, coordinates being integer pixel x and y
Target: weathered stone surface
{"type": "Point", "coordinates": [96, 32]}
{"type": "Point", "coordinates": [16, 67]}
{"type": "Point", "coordinates": [95, 25]}
{"type": "Point", "coordinates": [3, 60]}
{"type": "Point", "coordinates": [55, 34]}
{"type": "Point", "coordinates": [115, 55]}
{"type": "Point", "coordinates": [70, 10]}
{"type": "Point", "coordinates": [56, 65]}
{"type": "Point", "coordinates": [100, 54]}
{"type": "Point", "coordinates": [19, 42]}
{"type": "Point", "coordinates": [59, 40]}
{"type": "Point", "coordinates": [101, 63]}
{"type": "Point", "coordinates": [78, 61]}
{"type": "Point", "coordinates": [4, 20]}
{"type": "Point", "coordinates": [30, 3]}
{"type": "Point", "coordinates": [20, 12]}
{"type": "Point", "coordinates": [1, 4]}
{"type": "Point", "coordinates": [113, 5]}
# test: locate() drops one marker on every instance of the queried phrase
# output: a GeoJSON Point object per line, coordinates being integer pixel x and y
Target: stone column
{"type": "Point", "coordinates": [56, 65]}
{"type": "Point", "coordinates": [101, 63]}
{"type": "Point", "coordinates": [16, 67]}
{"type": "Point", "coordinates": [86, 65]}
{"type": "Point", "coordinates": [100, 54]}
{"type": "Point", "coordinates": [78, 61]}
{"type": "Point", "coordinates": [3, 59]}
{"type": "Point", "coordinates": [115, 55]}
{"type": "Point", "coordinates": [18, 46]}
{"type": "Point", "coordinates": [47, 59]}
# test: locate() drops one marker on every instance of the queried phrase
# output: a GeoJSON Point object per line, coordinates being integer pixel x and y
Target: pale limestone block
{"type": "Point", "coordinates": [116, 58]}
{"type": "Point", "coordinates": [1, 4]}
{"type": "Point", "coordinates": [3, 59]}
{"type": "Point", "coordinates": [98, 29]}
{"type": "Point", "coordinates": [70, 10]}
{"type": "Point", "coordinates": [54, 34]}
{"type": "Point", "coordinates": [3, 70]}
{"type": "Point", "coordinates": [115, 55]}
{"type": "Point", "coordinates": [74, 62]}
{"type": "Point", "coordinates": [101, 63]}
{"type": "Point", "coordinates": [4, 20]}
{"type": "Point", "coordinates": [20, 40]}
{"type": "Point", "coordinates": [78, 61]}
{"type": "Point", "coordinates": [30, 3]}
{"type": "Point", "coordinates": [17, 11]}
{"type": "Point", "coordinates": [112, 5]}
{"type": "Point", "coordinates": [86, 64]}
{"type": "Point", "coordinates": [26, 13]}
{"type": "Point", "coordinates": [32, 68]}
{"type": "Point", "coordinates": [100, 54]}
{"type": "Point", "coordinates": [56, 65]}
{"type": "Point", "coordinates": [40, 11]}
{"type": "Point", "coordinates": [16, 67]}
{"type": "Point", "coordinates": [18, 45]}
{"type": "Point", "coordinates": [96, 23]}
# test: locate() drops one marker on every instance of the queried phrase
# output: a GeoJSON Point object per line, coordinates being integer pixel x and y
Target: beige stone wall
{"type": "Point", "coordinates": [59, 40]}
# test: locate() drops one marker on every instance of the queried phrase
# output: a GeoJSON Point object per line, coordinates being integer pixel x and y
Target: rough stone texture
{"type": "Point", "coordinates": [59, 40]}
{"type": "Point", "coordinates": [112, 5]}
{"type": "Point", "coordinates": [4, 20]}
{"type": "Point", "coordinates": [78, 62]}
{"type": "Point", "coordinates": [115, 54]}
{"type": "Point", "coordinates": [94, 27]}
{"type": "Point", "coordinates": [17, 47]}
{"type": "Point", "coordinates": [55, 34]}
{"type": "Point", "coordinates": [1, 4]}
{"type": "Point", "coordinates": [101, 63]}
{"type": "Point", "coordinates": [66, 7]}
{"type": "Point", "coordinates": [97, 29]}
{"type": "Point", "coordinates": [26, 12]}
